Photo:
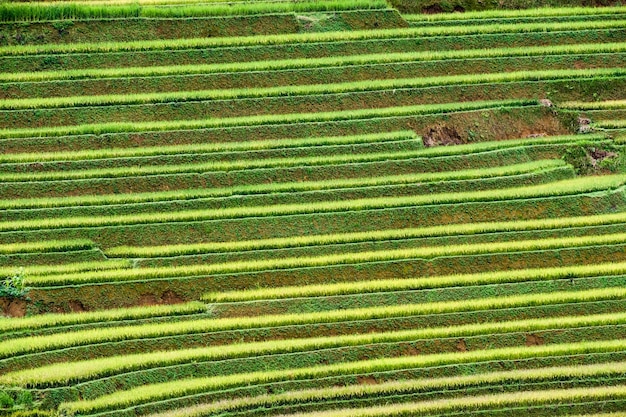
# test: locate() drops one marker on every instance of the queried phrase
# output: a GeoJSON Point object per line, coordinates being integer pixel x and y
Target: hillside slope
{"type": "Point", "coordinates": [330, 208]}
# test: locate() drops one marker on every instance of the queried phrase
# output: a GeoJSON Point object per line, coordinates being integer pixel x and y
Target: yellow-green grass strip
{"type": "Point", "coordinates": [333, 61]}
{"type": "Point", "coordinates": [130, 198]}
{"type": "Point", "coordinates": [479, 402]}
{"type": "Point", "coordinates": [575, 186]}
{"type": "Point", "coordinates": [262, 163]}
{"type": "Point", "coordinates": [70, 372]}
{"type": "Point", "coordinates": [319, 37]}
{"type": "Point", "coordinates": [407, 284]}
{"type": "Point", "coordinates": [66, 268]}
{"type": "Point", "coordinates": [152, 273]}
{"type": "Point", "coordinates": [509, 14]}
{"type": "Point", "coordinates": [196, 148]}
{"type": "Point", "coordinates": [309, 89]}
{"type": "Point", "coordinates": [131, 313]}
{"type": "Point", "coordinates": [610, 124]}
{"type": "Point", "coordinates": [43, 11]}
{"type": "Point", "coordinates": [401, 387]}
{"type": "Point", "coordinates": [159, 2]}
{"type": "Point", "coordinates": [369, 236]}
{"type": "Point", "coordinates": [184, 387]}
{"type": "Point", "coordinates": [165, 3]}
{"type": "Point", "coordinates": [594, 105]}
{"type": "Point", "coordinates": [403, 111]}
{"type": "Point", "coordinates": [120, 333]}
{"type": "Point", "coordinates": [46, 246]}
{"type": "Point", "coordinates": [282, 162]}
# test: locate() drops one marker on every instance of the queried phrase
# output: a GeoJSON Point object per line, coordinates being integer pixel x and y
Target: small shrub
{"type": "Point", "coordinates": [13, 286]}
{"type": "Point", "coordinates": [6, 401]}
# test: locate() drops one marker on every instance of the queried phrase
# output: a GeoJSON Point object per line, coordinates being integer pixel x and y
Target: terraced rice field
{"type": "Point", "coordinates": [312, 208]}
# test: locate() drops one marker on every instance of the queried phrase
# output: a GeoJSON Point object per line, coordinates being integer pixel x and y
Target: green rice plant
{"type": "Point", "coordinates": [164, 2]}
{"type": "Point", "coordinates": [117, 127]}
{"type": "Point", "coordinates": [153, 273]}
{"type": "Point", "coordinates": [130, 198]}
{"type": "Point", "coordinates": [369, 236]}
{"type": "Point", "coordinates": [284, 162]}
{"type": "Point", "coordinates": [179, 388]}
{"type": "Point", "coordinates": [332, 61]}
{"type": "Point", "coordinates": [196, 148]}
{"type": "Point", "coordinates": [508, 14]}
{"type": "Point", "coordinates": [308, 89]}
{"type": "Point", "coordinates": [406, 284]}
{"type": "Point", "coordinates": [559, 188]}
{"type": "Point", "coordinates": [28, 12]}
{"type": "Point", "coordinates": [68, 268]}
{"type": "Point", "coordinates": [46, 246]}
{"type": "Point", "coordinates": [401, 387]}
{"type": "Point", "coordinates": [131, 313]}
{"type": "Point", "coordinates": [112, 334]}
{"type": "Point", "coordinates": [610, 124]}
{"type": "Point", "coordinates": [263, 163]}
{"type": "Point", "coordinates": [480, 402]}
{"type": "Point", "coordinates": [71, 372]}
{"type": "Point", "coordinates": [234, 165]}
{"type": "Point", "coordinates": [316, 37]}
{"type": "Point", "coordinates": [595, 105]}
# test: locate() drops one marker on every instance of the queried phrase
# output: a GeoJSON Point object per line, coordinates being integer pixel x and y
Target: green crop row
{"type": "Point", "coordinates": [560, 188]}
{"type": "Point", "coordinates": [81, 155]}
{"type": "Point", "coordinates": [405, 284]}
{"type": "Point", "coordinates": [27, 63]}
{"type": "Point", "coordinates": [158, 2]}
{"type": "Point", "coordinates": [341, 221]}
{"type": "Point", "coordinates": [33, 193]}
{"type": "Point", "coordinates": [67, 268]}
{"type": "Point", "coordinates": [19, 346]}
{"type": "Point", "coordinates": [116, 127]}
{"type": "Point", "coordinates": [133, 198]}
{"type": "Point", "coordinates": [226, 166]}
{"type": "Point", "coordinates": [611, 124]}
{"type": "Point", "coordinates": [46, 246]}
{"type": "Point", "coordinates": [132, 313]}
{"type": "Point", "coordinates": [308, 37]}
{"type": "Point", "coordinates": [333, 61]}
{"type": "Point", "coordinates": [28, 12]}
{"type": "Point", "coordinates": [156, 392]}
{"type": "Point", "coordinates": [369, 236]}
{"type": "Point", "coordinates": [480, 402]}
{"type": "Point", "coordinates": [323, 261]}
{"type": "Point", "coordinates": [235, 165]}
{"type": "Point", "coordinates": [70, 372]}
{"type": "Point", "coordinates": [280, 193]}
{"type": "Point", "coordinates": [301, 76]}
{"type": "Point", "coordinates": [190, 160]}
{"type": "Point", "coordinates": [596, 105]}
{"type": "Point", "coordinates": [313, 191]}
{"type": "Point", "coordinates": [401, 387]}
{"type": "Point", "coordinates": [282, 162]}
{"type": "Point", "coordinates": [273, 112]}
{"type": "Point", "coordinates": [311, 89]}
{"type": "Point", "coordinates": [509, 14]}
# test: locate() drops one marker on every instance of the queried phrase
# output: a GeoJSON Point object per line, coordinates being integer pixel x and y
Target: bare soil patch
{"type": "Point", "coordinates": [441, 135]}
{"type": "Point", "coordinates": [13, 307]}
{"type": "Point", "coordinates": [534, 340]}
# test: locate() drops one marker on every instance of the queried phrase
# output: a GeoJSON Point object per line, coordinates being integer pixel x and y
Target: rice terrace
{"type": "Point", "coordinates": [312, 208]}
